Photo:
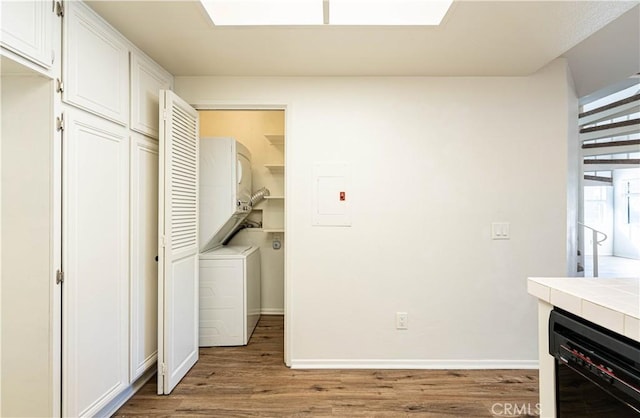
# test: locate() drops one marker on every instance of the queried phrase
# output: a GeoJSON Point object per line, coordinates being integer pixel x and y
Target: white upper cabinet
{"type": "Point", "coordinates": [95, 64]}
{"type": "Point", "coordinates": [27, 30]}
{"type": "Point", "coordinates": [147, 79]}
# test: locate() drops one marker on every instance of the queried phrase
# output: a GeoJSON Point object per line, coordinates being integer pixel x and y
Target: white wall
{"type": "Point", "coordinates": [434, 162]}
{"type": "Point", "coordinates": [1, 135]}
{"type": "Point", "coordinates": [26, 224]}
{"type": "Point", "coordinates": [574, 179]}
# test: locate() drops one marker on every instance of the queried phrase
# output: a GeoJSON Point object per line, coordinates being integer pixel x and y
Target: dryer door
{"type": "Point", "coordinates": [243, 190]}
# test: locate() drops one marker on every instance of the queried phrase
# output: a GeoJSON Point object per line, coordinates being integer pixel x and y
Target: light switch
{"type": "Point", "coordinates": [500, 230]}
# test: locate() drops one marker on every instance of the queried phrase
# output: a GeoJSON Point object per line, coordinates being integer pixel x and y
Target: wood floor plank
{"type": "Point", "coordinates": [253, 381]}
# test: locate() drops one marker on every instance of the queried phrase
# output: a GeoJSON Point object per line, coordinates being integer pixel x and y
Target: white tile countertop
{"type": "Point", "coordinates": [611, 303]}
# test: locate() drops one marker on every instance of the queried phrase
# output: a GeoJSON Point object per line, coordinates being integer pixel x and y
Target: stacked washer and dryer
{"type": "Point", "coordinates": [229, 275]}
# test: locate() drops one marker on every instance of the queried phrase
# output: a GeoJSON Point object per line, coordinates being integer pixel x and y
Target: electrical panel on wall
{"type": "Point", "coordinates": [331, 183]}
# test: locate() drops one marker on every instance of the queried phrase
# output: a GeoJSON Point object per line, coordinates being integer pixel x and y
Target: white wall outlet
{"type": "Point", "coordinates": [402, 320]}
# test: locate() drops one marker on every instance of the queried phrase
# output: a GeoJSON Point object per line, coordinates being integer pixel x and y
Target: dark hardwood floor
{"type": "Point", "coordinates": [253, 381]}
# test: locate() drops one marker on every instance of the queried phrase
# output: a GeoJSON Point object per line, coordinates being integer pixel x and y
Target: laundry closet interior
{"type": "Point", "coordinates": [262, 132]}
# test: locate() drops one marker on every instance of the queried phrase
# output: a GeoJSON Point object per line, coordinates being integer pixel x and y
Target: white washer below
{"type": "Point", "coordinates": [229, 295]}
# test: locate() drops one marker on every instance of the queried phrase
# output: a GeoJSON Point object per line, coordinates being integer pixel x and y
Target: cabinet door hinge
{"type": "Point", "coordinates": [59, 85]}
{"type": "Point", "coordinates": [60, 122]}
{"type": "Point", "coordinates": [163, 369]}
{"type": "Point", "coordinates": [59, 277]}
{"type": "Point", "coordinates": [163, 241]}
{"type": "Point", "coordinates": [60, 8]}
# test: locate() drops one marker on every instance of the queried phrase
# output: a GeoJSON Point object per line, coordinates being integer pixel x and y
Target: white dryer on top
{"type": "Point", "coordinates": [225, 190]}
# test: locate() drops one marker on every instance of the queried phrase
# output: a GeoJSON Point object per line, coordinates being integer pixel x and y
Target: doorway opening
{"type": "Point", "coordinates": [610, 136]}
{"type": "Point", "coordinates": [262, 132]}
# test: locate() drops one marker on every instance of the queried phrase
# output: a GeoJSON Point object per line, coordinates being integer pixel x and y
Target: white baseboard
{"type": "Point", "coordinates": [111, 408]}
{"type": "Point", "coordinates": [272, 311]}
{"type": "Point", "coordinates": [415, 364]}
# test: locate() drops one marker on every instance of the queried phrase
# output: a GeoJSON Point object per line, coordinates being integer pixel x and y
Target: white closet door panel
{"type": "Point", "coordinates": [27, 30]}
{"type": "Point", "coordinates": [95, 64]}
{"type": "Point", "coordinates": [147, 79]}
{"type": "Point", "coordinates": [178, 247]}
{"type": "Point", "coordinates": [144, 249]}
{"type": "Point", "coordinates": [182, 345]}
{"type": "Point", "coordinates": [96, 248]}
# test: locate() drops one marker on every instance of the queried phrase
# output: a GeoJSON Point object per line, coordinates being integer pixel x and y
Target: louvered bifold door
{"type": "Point", "coordinates": [178, 241]}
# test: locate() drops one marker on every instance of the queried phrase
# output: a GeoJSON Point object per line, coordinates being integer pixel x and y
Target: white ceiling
{"type": "Point", "coordinates": [477, 38]}
{"type": "Point", "coordinates": [604, 61]}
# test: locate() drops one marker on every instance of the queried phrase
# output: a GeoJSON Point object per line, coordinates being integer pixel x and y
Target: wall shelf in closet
{"type": "Point", "coordinates": [275, 139]}
{"type": "Point", "coordinates": [275, 168]}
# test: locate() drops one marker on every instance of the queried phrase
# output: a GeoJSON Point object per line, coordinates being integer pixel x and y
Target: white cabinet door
{"type": "Point", "coordinates": [27, 29]}
{"type": "Point", "coordinates": [144, 249]}
{"type": "Point", "coordinates": [95, 256]}
{"type": "Point", "coordinates": [95, 64]}
{"type": "Point", "coordinates": [147, 79]}
{"type": "Point", "coordinates": [178, 243]}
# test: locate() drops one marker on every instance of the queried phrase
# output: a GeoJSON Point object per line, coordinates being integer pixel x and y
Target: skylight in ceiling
{"type": "Point", "coordinates": [333, 12]}
{"type": "Point", "coordinates": [387, 12]}
{"type": "Point", "coordinates": [264, 12]}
